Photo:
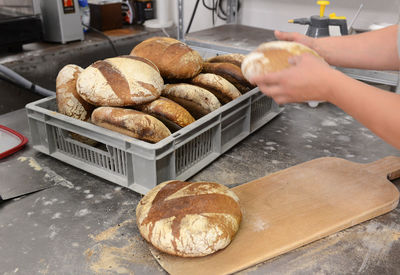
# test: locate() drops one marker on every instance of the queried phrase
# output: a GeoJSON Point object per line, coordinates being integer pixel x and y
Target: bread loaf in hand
{"type": "Point", "coordinates": [173, 115]}
{"type": "Point", "coordinates": [219, 86]}
{"type": "Point", "coordinates": [174, 59]}
{"type": "Point", "coordinates": [120, 81]}
{"type": "Point", "coordinates": [131, 123]}
{"type": "Point", "coordinates": [69, 102]}
{"type": "Point", "coordinates": [198, 101]}
{"type": "Point", "coordinates": [272, 57]}
{"type": "Point", "coordinates": [189, 219]}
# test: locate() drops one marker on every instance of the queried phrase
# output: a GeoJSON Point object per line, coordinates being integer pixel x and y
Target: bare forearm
{"type": "Point", "coordinates": [371, 50]}
{"type": "Point", "coordinates": [377, 109]}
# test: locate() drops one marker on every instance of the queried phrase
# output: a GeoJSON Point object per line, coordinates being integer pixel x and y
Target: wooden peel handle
{"type": "Point", "coordinates": [389, 166]}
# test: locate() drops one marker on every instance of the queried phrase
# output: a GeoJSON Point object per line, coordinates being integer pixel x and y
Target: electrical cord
{"type": "Point", "coordinates": [12, 77]}
{"type": "Point", "coordinates": [103, 35]}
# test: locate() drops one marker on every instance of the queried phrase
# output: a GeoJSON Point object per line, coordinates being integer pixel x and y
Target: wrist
{"type": "Point", "coordinates": [334, 80]}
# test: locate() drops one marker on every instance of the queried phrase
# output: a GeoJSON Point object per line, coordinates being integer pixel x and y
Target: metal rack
{"type": "Point", "coordinates": [231, 15]}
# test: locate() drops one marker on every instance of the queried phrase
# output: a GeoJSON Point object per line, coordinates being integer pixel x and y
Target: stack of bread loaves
{"type": "Point", "coordinates": [127, 93]}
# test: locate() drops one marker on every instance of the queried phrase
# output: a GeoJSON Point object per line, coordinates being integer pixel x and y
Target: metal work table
{"type": "Point", "coordinates": [86, 225]}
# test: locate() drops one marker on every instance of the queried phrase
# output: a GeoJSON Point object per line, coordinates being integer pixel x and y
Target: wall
{"type": "Point", "coordinates": [273, 14]}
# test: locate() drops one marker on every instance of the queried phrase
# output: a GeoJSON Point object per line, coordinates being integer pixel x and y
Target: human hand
{"type": "Point", "coordinates": [306, 80]}
{"type": "Point", "coordinates": [295, 37]}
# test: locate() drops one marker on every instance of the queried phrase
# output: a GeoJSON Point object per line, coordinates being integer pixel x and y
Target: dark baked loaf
{"type": "Point", "coordinates": [198, 101]}
{"type": "Point", "coordinates": [219, 86]}
{"type": "Point", "coordinates": [174, 59]}
{"type": "Point", "coordinates": [173, 115]}
{"type": "Point", "coordinates": [120, 81]}
{"type": "Point", "coordinates": [131, 123]}
{"type": "Point", "coordinates": [69, 102]}
{"type": "Point", "coordinates": [189, 219]}
{"type": "Point", "coordinates": [230, 72]}
{"type": "Point", "coordinates": [233, 58]}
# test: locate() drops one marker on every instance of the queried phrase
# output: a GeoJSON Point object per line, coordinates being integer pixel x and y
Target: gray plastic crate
{"type": "Point", "coordinates": [139, 165]}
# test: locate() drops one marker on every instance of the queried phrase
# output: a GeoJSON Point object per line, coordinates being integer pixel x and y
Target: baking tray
{"type": "Point", "coordinates": [140, 165]}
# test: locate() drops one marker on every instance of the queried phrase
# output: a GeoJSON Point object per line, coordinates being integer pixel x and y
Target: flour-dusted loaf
{"type": "Point", "coordinates": [120, 81]}
{"type": "Point", "coordinates": [68, 100]}
{"type": "Point", "coordinates": [131, 123]}
{"type": "Point", "coordinates": [189, 219]}
{"type": "Point", "coordinates": [230, 72]}
{"type": "Point", "coordinates": [198, 101]}
{"type": "Point", "coordinates": [233, 58]}
{"type": "Point", "coordinates": [219, 86]}
{"type": "Point", "coordinates": [174, 59]}
{"type": "Point", "coordinates": [173, 115]}
{"type": "Point", "coordinates": [272, 57]}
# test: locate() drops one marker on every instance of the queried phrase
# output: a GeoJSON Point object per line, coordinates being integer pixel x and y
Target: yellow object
{"type": "Point", "coordinates": [322, 5]}
{"type": "Point", "coordinates": [291, 21]}
{"type": "Point", "coordinates": [333, 16]}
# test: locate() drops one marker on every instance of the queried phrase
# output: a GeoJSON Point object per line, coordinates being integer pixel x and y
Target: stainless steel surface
{"type": "Point", "coordinates": [19, 7]}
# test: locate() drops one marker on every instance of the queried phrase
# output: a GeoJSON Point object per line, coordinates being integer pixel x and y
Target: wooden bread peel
{"type": "Point", "coordinates": [296, 206]}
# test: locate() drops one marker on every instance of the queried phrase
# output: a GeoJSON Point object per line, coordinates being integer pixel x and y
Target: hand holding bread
{"type": "Point", "coordinates": [288, 72]}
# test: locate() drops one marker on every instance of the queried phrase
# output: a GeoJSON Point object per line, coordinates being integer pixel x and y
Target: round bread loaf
{"type": "Point", "coordinates": [230, 72]}
{"type": "Point", "coordinates": [189, 219]}
{"type": "Point", "coordinates": [120, 81]}
{"type": "Point", "coordinates": [131, 123]}
{"type": "Point", "coordinates": [198, 101]}
{"type": "Point", "coordinates": [173, 115]}
{"type": "Point", "coordinates": [219, 86]}
{"type": "Point", "coordinates": [68, 100]}
{"type": "Point", "coordinates": [233, 58]}
{"type": "Point", "coordinates": [174, 59]}
{"type": "Point", "coordinates": [272, 57]}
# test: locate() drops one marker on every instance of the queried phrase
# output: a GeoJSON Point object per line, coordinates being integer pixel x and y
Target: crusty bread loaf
{"type": "Point", "coordinates": [68, 100]}
{"type": "Point", "coordinates": [173, 115]}
{"type": "Point", "coordinates": [189, 219]}
{"type": "Point", "coordinates": [233, 58]}
{"type": "Point", "coordinates": [131, 123]}
{"type": "Point", "coordinates": [198, 101]}
{"type": "Point", "coordinates": [230, 72]}
{"type": "Point", "coordinates": [272, 57]}
{"type": "Point", "coordinates": [120, 81]}
{"type": "Point", "coordinates": [219, 86]}
{"type": "Point", "coordinates": [174, 59]}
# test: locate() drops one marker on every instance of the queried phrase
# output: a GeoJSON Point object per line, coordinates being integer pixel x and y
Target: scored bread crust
{"type": "Point", "coordinates": [164, 108]}
{"type": "Point", "coordinates": [131, 123]}
{"type": "Point", "coordinates": [230, 72]}
{"type": "Point", "coordinates": [189, 219]}
{"type": "Point", "coordinates": [219, 86]}
{"type": "Point", "coordinates": [69, 102]}
{"type": "Point", "coordinates": [174, 59]}
{"type": "Point", "coordinates": [233, 58]}
{"type": "Point", "coordinates": [120, 81]}
{"type": "Point", "coordinates": [198, 101]}
{"type": "Point", "coordinates": [272, 57]}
